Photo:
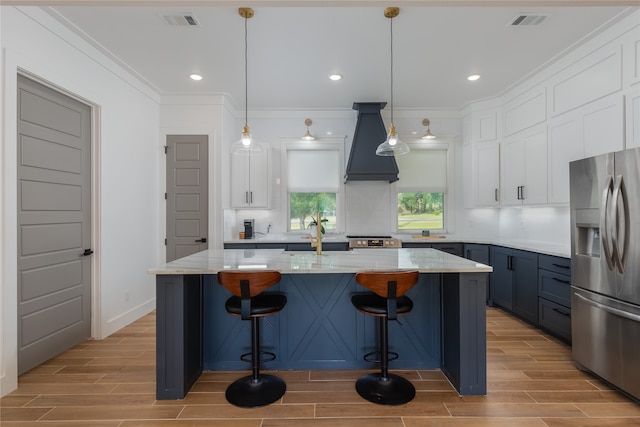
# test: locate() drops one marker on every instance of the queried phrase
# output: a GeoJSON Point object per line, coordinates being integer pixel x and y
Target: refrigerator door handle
{"type": "Point", "coordinates": [612, 310]}
{"type": "Point", "coordinates": [619, 251]}
{"type": "Point", "coordinates": [604, 221]}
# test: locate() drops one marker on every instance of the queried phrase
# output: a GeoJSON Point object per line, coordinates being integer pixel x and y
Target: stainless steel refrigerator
{"type": "Point", "coordinates": [605, 267]}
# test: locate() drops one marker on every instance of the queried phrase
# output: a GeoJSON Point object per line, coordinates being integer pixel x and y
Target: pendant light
{"type": "Point", "coordinates": [393, 145]}
{"type": "Point", "coordinates": [307, 136]}
{"type": "Point", "coordinates": [246, 143]}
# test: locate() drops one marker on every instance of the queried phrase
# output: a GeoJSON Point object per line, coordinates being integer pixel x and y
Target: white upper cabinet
{"type": "Point", "coordinates": [486, 174]}
{"type": "Point", "coordinates": [632, 100]}
{"type": "Point", "coordinates": [524, 168]}
{"type": "Point", "coordinates": [250, 179]}
{"type": "Point", "coordinates": [481, 159]}
{"type": "Point", "coordinates": [564, 146]}
{"type": "Point", "coordinates": [603, 125]}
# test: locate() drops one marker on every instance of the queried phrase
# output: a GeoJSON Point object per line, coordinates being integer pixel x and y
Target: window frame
{"type": "Point", "coordinates": [334, 143]}
{"type": "Point", "coordinates": [441, 143]}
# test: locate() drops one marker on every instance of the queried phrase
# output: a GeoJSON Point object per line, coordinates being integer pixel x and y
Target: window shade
{"type": "Point", "coordinates": [313, 170]}
{"type": "Point", "coordinates": [423, 170]}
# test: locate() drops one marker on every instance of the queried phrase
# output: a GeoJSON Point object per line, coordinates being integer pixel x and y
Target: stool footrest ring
{"type": "Point", "coordinates": [369, 356]}
{"type": "Point", "coordinates": [269, 356]}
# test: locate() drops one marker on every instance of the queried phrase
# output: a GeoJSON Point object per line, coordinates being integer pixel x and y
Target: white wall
{"type": "Point", "coordinates": [271, 126]}
{"type": "Point", "coordinates": [197, 115]}
{"type": "Point", "coordinates": [125, 175]}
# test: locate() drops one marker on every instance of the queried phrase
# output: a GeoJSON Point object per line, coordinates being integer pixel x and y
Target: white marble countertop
{"type": "Point", "coordinates": [424, 260]}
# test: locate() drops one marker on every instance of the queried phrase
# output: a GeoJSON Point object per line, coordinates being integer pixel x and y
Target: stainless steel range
{"type": "Point", "coordinates": [373, 242]}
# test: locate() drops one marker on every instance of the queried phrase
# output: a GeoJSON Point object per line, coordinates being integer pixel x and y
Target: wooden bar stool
{"type": "Point", "coordinates": [250, 303]}
{"type": "Point", "coordinates": [387, 302]}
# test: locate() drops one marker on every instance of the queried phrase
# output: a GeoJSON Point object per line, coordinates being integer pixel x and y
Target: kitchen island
{"type": "Point", "coordinates": [319, 328]}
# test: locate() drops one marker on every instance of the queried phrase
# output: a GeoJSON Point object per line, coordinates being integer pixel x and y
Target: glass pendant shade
{"type": "Point", "coordinates": [246, 143]}
{"type": "Point", "coordinates": [393, 145]}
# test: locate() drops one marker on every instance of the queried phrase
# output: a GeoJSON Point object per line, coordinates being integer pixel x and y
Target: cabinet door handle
{"type": "Point", "coordinates": [496, 195]}
{"type": "Point", "coordinates": [510, 262]}
{"type": "Point", "coordinates": [564, 313]}
{"type": "Point", "coordinates": [561, 266]}
{"type": "Point", "coordinates": [246, 197]}
{"type": "Point", "coordinates": [251, 198]}
{"type": "Point", "coordinates": [561, 281]}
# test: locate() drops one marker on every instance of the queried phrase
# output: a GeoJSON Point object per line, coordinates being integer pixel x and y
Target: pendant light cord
{"type": "Point", "coordinates": [246, 72]}
{"type": "Point", "coordinates": [391, 70]}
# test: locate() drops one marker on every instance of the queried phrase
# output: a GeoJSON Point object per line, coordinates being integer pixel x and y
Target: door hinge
{"type": "Point", "coordinates": [165, 242]}
{"type": "Point", "coordinates": [166, 147]}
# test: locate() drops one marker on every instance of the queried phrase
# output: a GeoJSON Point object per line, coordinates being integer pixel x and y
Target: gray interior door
{"type": "Point", "coordinates": [187, 195]}
{"type": "Point", "coordinates": [54, 223]}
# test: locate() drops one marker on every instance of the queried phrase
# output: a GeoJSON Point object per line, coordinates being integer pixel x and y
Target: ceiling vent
{"type": "Point", "coordinates": [180, 20]}
{"type": "Point", "coordinates": [527, 20]}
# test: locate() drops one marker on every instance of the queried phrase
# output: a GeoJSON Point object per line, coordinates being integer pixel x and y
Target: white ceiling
{"type": "Point", "coordinates": [292, 50]}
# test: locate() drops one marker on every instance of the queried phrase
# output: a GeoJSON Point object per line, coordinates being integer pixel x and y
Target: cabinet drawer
{"type": "Point", "coordinates": [554, 263]}
{"type": "Point", "coordinates": [555, 287]}
{"type": "Point", "coordinates": [555, 318]}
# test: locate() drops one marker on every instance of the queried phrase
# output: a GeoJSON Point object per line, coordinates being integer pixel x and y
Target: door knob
{"type": "Point", "coordinates": [87, 252]}
{"type": "Point", "coordinates": [203, 240]}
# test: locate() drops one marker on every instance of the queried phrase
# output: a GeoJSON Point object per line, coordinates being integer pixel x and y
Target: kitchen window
{"type": "Point", "coordinates": [313, 183]}
{"type": "Point", "coordinates": [423, 191]}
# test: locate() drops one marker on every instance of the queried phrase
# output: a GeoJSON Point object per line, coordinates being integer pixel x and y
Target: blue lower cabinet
{"type": "Point", "coordinates": [502, 277]}
{"type": "Point", "coordinates": [554, 292]}
{"type": "Point", "coordinates": [555, 318]}
{"type": "Point", "coordinates": [514, 281]}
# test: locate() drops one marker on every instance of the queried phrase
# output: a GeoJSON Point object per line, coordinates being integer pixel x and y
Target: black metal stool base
{"type": "Point", "coordinates": [247, 393]}
{"type": "Point", "coordinates": [394, 390]}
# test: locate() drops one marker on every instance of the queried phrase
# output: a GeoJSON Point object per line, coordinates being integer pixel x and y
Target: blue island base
{"type": "Point", "coordinates": [320, 329]}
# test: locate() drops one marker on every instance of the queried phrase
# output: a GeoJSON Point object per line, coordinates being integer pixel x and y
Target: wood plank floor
{"type": "Point", "coordinates": [111, 383]}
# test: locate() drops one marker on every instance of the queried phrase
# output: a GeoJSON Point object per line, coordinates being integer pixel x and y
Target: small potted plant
{"type": "Point", "coordinates": [314, 224]}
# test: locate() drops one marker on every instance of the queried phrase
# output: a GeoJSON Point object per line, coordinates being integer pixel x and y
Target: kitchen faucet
{"type": "Point", "coordinates": [316, 242]}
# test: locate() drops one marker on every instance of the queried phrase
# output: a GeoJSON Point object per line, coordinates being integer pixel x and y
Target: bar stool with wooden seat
{"type": "Point", "coordinates": [387, 302]}
{"type": "Point", "coordinates": [250, 303]}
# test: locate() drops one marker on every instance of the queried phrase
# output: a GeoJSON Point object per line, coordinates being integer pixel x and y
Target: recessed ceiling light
{"type": "Point", "coordinates": [196, 77]}
{"type": "Point", "coordinates": [335, 77]}
{"type": "Point", "coordinates": [473, 77]}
